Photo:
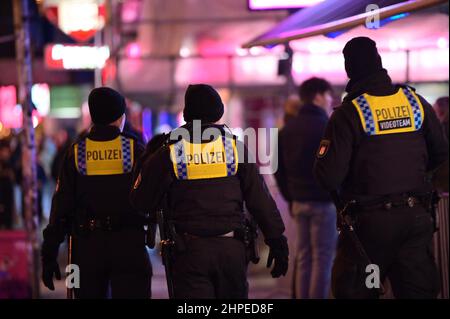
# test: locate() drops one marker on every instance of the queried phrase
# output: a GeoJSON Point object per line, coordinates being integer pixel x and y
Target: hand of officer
{"type": "Point", "coordinates": [150, 236]}
{"type": "Point", "coordinates": [279, 252]}
{"type": "Point", "coordinates": [49, 253]}
{"type": "Point", "coordinates": [50, 269]}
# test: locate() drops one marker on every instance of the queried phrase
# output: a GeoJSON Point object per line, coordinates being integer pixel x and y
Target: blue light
{"type": "Point", "coordinates": [398, 16]}
{"type": "Point", "coordinates": [270, 46]}
{"type": "Point", "coordinates": [393, 18]}
{"type": "Point", "coordinates": [147, 125]}
{"type": "Point", "coordinates": [335, 34]}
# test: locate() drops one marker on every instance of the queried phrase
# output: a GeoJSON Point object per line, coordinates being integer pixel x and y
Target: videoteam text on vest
{"type": "Point", "coordinates": [394, 124]}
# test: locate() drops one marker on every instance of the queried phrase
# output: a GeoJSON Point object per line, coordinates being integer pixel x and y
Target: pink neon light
{"type": "Point", "coordinates": [133, 50]}
{"type": "Point", "coordinates": [280, 4]}
{"type": "Point", "coordinates": [10, 113]}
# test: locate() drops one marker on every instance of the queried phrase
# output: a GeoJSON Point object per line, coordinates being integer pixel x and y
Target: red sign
{"type": "Point", "coordinates": [80, 19]}
{"type": "Point", "coordinates": [75, 57]}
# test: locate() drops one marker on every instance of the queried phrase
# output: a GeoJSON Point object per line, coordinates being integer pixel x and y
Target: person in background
{"type": "Point", "coordinates": [310, 206]}
{"type": "Point", "coordinates": [291, 108]}
{"type": "Point", "coordinates": [441, 109]}
{"type": "Point", "coordinates": [6, 186]}
{"type": "Point", "coordinates": [16, 164]}
{"type": "Point", "coordinates": [62, 142]}
{"type": "Point", "coordinates": [440, 178]}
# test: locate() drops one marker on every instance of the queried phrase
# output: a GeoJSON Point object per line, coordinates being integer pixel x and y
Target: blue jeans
{"type": "Point", "coordinates": [316, 222]}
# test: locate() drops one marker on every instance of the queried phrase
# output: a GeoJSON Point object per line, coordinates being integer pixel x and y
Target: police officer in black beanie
{"type": "Point", "coordinates": [375, 158]}
{"type": "Point", "coordinates": [203, 183]}
{"type": "Point", "coordinates": [91, 204]}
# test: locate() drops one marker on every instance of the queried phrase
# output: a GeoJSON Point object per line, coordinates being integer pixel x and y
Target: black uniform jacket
{"type": "Point", "coordinates": [78, 196]}
{"type": "Point", "coordinates": [205, 207]}
{"type": "Point", "coordinates": [362, 166]}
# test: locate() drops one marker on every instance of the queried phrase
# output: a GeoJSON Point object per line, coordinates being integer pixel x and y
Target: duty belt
{"type": "Point", "coordinates": [107, 223]}
{"type": "Point", "coordinates": [92, 224]}
{"type": "Point", "coordinates": [230, 234]}
{"type": "Point", "coordinates": [388, 203]}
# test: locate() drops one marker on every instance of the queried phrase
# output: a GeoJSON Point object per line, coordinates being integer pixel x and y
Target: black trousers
{"type": "Point", "coordinates": [212, 267]}
{"type": "Point", "coordinates": [115, 259]}
{"type": "Point", "coordinates": [399, 242]}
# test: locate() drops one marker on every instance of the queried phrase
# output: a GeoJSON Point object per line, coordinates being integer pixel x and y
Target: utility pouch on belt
{"type": "Point", "coordinates": [252, 231]}
{"type": "Point", "coordinates": [150, 235]}
{"type": "Point", "coordinates": [433, 200]}
{"type": "Point", "coordinates": [249, 235]}
{"type": "Point", "coordinates": [179, 241]}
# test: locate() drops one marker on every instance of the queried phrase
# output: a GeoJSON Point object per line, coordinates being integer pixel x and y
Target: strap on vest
{"type": "Point", "coordinates": [367, 114]}
{"type": "Point", "coordinates": [229, 156]}
{"type": "Point", "coordinates": [415, 107]}
{"type": "Point", "coordinates": [180, 156]}
{"type": "Point", "coordinates": [126, 154]}
{"type": "Point", "coordinates": [81, 157]}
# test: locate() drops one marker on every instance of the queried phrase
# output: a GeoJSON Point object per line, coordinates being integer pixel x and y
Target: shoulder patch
{"type": "Point", "coordinates": [323, 148]}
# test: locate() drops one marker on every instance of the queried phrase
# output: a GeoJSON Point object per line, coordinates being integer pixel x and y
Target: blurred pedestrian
{"type": "Point", "coordinates": [441, 109]}
{"type": "Point", "coordinates": [7, 180]}
{"type": "Point", "coordinates": [291, 107]}
{"type": "Point", "coordinates": [63, 143]}
{"type": "Point", "coordinates": [441, 176]}
{"type": "Point", "coordinates": [310, 206]}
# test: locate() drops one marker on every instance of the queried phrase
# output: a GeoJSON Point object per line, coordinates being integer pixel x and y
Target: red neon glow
{"type": "Point", "coordinates": [280, 4]}
{"type": "Point", "coordinates": [65, 15]}
{"type": "Point", "coordinates": [134, 50]}
{"type": "Point", "coordinates": [109, 72]}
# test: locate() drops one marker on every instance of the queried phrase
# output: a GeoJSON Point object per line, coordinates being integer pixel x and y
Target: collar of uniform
{"type": "Point", "coordinates": [378, 83]}
{"type": "Point", "coordinates": [103, 132]}
{"type": "Point", "coordinates": [311, 108]}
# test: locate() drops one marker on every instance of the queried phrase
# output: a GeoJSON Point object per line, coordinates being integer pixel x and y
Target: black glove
{"type": "Point", "coordinates": [50, 269]}
{"type": "Point", "coordinates": [150, 236]}
{"type": "Point", "coordinates": [49, 254]}
{"type": "Point", "coordinates": [279, 251]}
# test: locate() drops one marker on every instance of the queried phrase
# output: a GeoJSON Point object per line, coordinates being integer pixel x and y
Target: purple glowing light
{"type": "Point", "coordinates": [280, 4]}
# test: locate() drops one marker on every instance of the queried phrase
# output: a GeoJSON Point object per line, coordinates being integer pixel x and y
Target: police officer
{"type": "Point", "coordinates": [377, 149]}
{"type": "Point", "coordinates": [91, 202]}
{"type": "Point", "coordinates": [205, 186]}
